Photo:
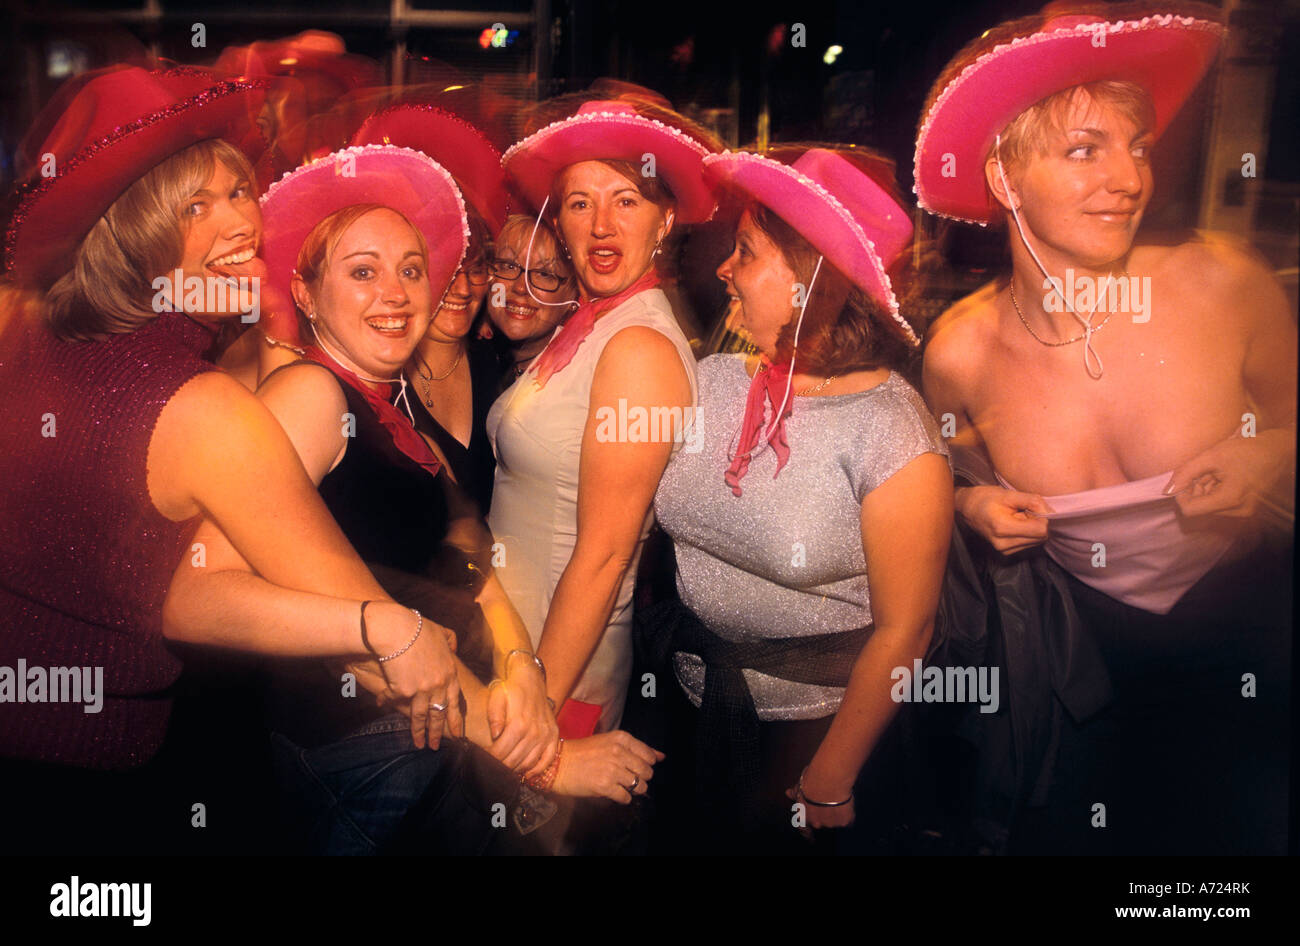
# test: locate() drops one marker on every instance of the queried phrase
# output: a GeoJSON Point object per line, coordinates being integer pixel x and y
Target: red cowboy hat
{"type": "Point", "coordinates": [1166, 55]}
{"type": "Point", "coordinates": [613, 130]}
{"type": "Point", "coordinates": [407, 181]}
{"type": "Point", "coordinates": [846, 216]}
{"type": "Point", "coordinates": [119, 124]}
{"type": "Point", "coordinates": [451, 141]}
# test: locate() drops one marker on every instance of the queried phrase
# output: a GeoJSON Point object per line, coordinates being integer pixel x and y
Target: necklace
{"type": "Point", "coordinates": [429, 378]}
{"type": "Point", "coordinates": [1078, 338]}
{"type": "Point", "coordinates": [816, 387]}
{"type": "Point", "coordinates": [442, 377]}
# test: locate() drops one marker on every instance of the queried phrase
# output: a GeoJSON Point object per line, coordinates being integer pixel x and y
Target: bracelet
{"type": "Point", "coordinates": [544, 781]}
{"type": "Point", "coordinates": [505, 664]}
{"type": "Point", "coordinates": [419, 626]}
{"type": "Point", "coordinates": [822, 804]}
{"type": "Point", "coordinates": [365, 637]}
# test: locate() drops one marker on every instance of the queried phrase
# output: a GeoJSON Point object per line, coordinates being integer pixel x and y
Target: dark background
{"type": "Point", "coordinates": [727, 65]}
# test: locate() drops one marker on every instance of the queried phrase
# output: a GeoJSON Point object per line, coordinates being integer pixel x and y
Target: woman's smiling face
{"type": "Point", "coordinates": [513, 311]}
{"type": "Point", "coordinates": [373, 303]}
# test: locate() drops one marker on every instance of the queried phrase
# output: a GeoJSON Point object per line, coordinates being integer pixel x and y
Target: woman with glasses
{"type": "Point", "coordinates": [454, 375]}
{"type": "Point", "coordinates": [517, 318]}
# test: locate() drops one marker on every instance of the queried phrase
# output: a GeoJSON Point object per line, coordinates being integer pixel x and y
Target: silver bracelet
{"type": "Point", "coordinates": [419, 626]}
{"type": "Point", "coordinates": [822, 804]}
{"type": "Point", "coordinates": [505, 664]}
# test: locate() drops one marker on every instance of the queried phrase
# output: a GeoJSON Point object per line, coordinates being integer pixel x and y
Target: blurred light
{"type": "Point", "coordinates": [497, 38]}
{"type": "Point", "coordinates": [64, 59]}
{"type": "Point", "coordinates": [831, 54]}
{"type": "Point", "coordinates": [453, 88]}
{"type": "Point", "coordinates": [288, 62]}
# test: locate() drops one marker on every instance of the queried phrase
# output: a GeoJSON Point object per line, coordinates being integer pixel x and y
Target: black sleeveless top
{"type": "Point", "coordinates": [392, 511]}
{"type": "Point", "coordinates": [474, 466]}
{"type": "Point", "coordinates": [396, 515]}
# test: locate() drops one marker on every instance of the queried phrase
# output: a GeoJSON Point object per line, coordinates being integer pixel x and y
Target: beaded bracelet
{"type": "Point", "coordinates": [365, 636]}
{"type": "Point", "coordinates": [419, 626]}
{"type": "Point", "coordinates": [544, 781]}
{"type": "Point", "coordinates": [822, 804]}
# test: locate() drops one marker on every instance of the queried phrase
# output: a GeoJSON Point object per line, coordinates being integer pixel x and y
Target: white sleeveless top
{"type": "Point", "coordinates": [537, 438]}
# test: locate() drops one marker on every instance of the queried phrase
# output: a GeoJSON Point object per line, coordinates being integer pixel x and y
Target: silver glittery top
{"type": "Point", "coordinates": [785, 559]}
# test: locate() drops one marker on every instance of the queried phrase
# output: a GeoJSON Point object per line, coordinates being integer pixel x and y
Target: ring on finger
{"type": "Point", "coordinates": [438, 707]}
{"type": "Point", "coordinates": [631, 789]}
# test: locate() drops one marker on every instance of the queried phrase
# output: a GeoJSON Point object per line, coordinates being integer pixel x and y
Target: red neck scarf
{"type": "Point", "coordinates": [768, 384]}
{"type": "Point", "coordinates": [565, 344]}
{"type": "Point", "coordinates": [399, 427]}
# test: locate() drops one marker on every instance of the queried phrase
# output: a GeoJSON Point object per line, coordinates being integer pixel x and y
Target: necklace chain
{"type": "Point", "coordinates": [1091, 330]}
{"type": "Point", "coordinates": [430, 378]}
{"type": "Point", "coordinates": [816, 387]}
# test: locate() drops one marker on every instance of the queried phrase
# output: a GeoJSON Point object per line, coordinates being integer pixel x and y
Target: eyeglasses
{"type": "Point", "coordinates": [476, 272]}
{"type": "Point", "coordinates": [540, 279]}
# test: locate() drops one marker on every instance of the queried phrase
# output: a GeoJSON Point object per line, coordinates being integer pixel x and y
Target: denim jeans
{"type": "Point", "coordinates": [350, 796]}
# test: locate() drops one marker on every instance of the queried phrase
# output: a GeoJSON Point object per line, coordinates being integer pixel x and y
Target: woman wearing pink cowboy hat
{"type": "Point", "coordinates": [116, 435]}
{"type": "Point", "coordinates": [365, 240]}
{"type": "Point", "coordinates": [453, 373]}
{"type": "Point", "coordinates": [1127, 406]}
{"type": "Point", "coordinates": [571, 506]}
{"type": "Point", "coordinates": [811, 527]}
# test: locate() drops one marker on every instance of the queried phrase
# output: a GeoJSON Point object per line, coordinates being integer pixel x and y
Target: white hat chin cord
{"type": "Point", "coordinates": [794, 352]}
{"type": "Point", "coordinates": [1090, 355]}
{"type": "Point", "coordinates": [528, 261]}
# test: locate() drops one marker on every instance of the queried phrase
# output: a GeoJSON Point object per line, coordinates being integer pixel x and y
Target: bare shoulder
{"type": "Point", "coordinates": [955, 339]}
{"type": "Point", "coordinates": [641, 351]}
{"type": "Point", "coordinates": [1211, 258]}
{"type": "Point", "coordinates": [305, 380]}
{"type": "Point", "coordinates": [1230, 277]}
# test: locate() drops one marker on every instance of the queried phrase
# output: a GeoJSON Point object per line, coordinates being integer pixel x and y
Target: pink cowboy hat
{"type": "Point", "coordinates": [616, 131]}
{"type": "Point", "coordinates": [451, 141]}
{"type": "Point", "coordinates": [112, 127]}
{"type": "Point", "coordinates": [407, 181]}
{"type": "Point", "coordinates": [1166, 55]}
{"type": "Point", "coordinates": [836, 207]}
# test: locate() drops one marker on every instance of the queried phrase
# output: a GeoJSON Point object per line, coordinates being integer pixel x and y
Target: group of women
{"type": "Point", "coordinates": [403, 491]}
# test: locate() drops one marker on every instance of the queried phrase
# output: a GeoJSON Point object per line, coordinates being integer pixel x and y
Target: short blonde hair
{"type": "Point", "coordinates": [1029, 132]}
{"type": "Point", "coordinates": [109, 290]}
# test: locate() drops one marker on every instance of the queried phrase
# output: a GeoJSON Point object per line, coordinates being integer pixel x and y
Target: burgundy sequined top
{"type": "Point", "coordinates": [85, 558]}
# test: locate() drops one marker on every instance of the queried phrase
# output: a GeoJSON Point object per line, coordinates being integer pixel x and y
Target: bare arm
{"type": "Point", "coordinates": [1231, 477]}
{"type": "Point", "coordinates": [269, 519]}
{"type": "Point", "coordinates": [906, 525]}
{"type": "Point", "coordinates": [1008, 519]}
{"type": "Point", "coordinates": [616, 485]}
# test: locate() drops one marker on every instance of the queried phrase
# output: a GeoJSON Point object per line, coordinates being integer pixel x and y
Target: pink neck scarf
{"type": "Point", "coordinates": [399, 428]}
{"type": "Point", "coordinates": [768, 384]}
{"type": "Point", "coordinates": [565, 344]}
